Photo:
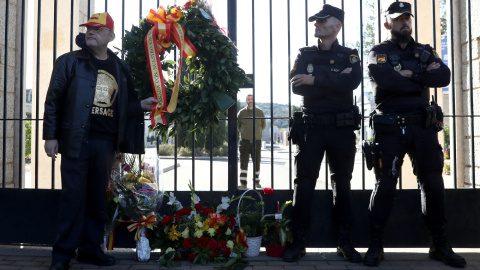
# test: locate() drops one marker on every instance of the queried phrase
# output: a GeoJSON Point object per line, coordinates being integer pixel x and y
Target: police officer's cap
{"type": "Point", "coordinates": [397, 9]}
{"type": "Point", "coordinates": [328, 11]}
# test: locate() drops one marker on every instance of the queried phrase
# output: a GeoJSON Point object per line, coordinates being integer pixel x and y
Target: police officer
{"type": "Point", "coordinates": [325, 75]}
{"type": "Point", "coordinates": [402, 71]}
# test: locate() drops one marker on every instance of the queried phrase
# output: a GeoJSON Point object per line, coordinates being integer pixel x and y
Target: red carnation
{"type": "Point", "coordinates": [222, 244]}
{"type": "Point", "coordinates": [207, 211]}
{"type": "Point", "coordinates": [187, 243]}
{"type": "Point", "coordinates": [166, 220]}
{"type": "Point", "coordinates": [268, 191]}
{"type": "Point", "coordinates": [226, 252]}
{"type": "Point", "coordinates": [182, 212]}
{"type": "Point", "coordinates": [192, 257]}
{"type": "Point", "coordinates": [198, 206]}
{"type": "Point", "coordinates": [213, 244]}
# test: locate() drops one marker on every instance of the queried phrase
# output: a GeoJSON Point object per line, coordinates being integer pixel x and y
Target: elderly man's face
{"type": "Point", "coordinates": [326, 27]}
{"type": "Point", "coordinates": [98, 37]}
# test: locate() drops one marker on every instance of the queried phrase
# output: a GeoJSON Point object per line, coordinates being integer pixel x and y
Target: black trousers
{"type": "Point", "coordinates": [339, 145]}
{"type": "Point", "coordinates": [81, 219]}
{"type": "Point", "coordinates": [421, 145]}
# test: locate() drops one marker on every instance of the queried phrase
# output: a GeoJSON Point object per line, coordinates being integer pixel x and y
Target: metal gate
{"type": "Point", "coordinates": [268, 34]}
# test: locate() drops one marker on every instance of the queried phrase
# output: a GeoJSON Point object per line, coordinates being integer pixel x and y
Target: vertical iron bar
{"type": "Point", "coordinates": [452, 85]}
{"type": "Point", "coordinates": [123, 27]}
{"type": "Point", "coordinates": [232, 111]}
{"type": "Point", "coordinates": [106, 5]}
{"type": "Point", "coordinates": [37, 90]}
{"type": "Point", "coordinates": [415, 19]}
{"type": "Point", "coordinates": [21, 156]}
{"type": "Point", "coordinates": [55, 9]}
{"type": "Point", "coordinates": [271, 98]}
{"type": "Point", "coordinates": [193, 157]}
{"type": "Point", "coordinates": [253, 92]}
{"type": "Point", "coordinates": [379, 21]}
{"type": "Point", "coordinates": [175, 161]}
{"type": "Point", "coordinates": [211, 158]}
{"type": "Point", "coordinates": [470, 90]}
{"type": "Point", "coordinates": [89, 7]}
{"type": "Point", "coordinates": [5, 85]}
{"type": "Point", "coordinates": [72, 10]}
{"type": "Point", "coordinates": [434, 45]}
{"type": "Point", "coordinates": [362, 93]}
{"type": "Point", "coordinates": [289, 97]}
{"type": "Point", "coordinates": [343, 27]}
{"type": "Point", "coordinates": [306, 23]}
{"type": "Point", "coordinates": [140, 9]}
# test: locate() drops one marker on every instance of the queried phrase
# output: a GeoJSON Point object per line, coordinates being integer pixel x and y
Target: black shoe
{"type": "Point", "coordinates": [348, 252]}
{"type": "Point", "coordinates": [97, 258]}
{"type": "Point", "coordinates": [441, 250]}
{"type": "Point", "coordinates": [374, 255]}
{"type": "Point", "coordinates": [60, 265]}
{"type": "Point", "coordinates": [294, 252]}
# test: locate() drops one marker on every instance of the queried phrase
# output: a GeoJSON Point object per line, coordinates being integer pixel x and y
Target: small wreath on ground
{"type": "Point", "coordinates": [209, 80]}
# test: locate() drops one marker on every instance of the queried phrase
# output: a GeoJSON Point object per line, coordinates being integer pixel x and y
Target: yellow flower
{"type": "Point", "coordinates": [185, 233]}
{"type": "Point", "coordinates": [211, 232]}
{"type": "Point", "coordinates": [198, 234]}
{"type": "Point", "coordinates": [130, 177]}
{"type": "Point", "coordinates": [174, 234]}
{"type": "Point", "coordinates": [143, 179]}
{"type": "Point", "coordinates": [230, 244]}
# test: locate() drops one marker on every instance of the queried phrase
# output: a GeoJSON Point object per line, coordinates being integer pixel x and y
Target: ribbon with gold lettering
{"type": "Point", "coordinates": [166, 28]}
{"type": "Point", "coordinates": [145, 222]}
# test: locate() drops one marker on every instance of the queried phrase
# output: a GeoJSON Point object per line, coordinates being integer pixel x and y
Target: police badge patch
{"type": "Point", "coordinates": [310, 68]}
{"type": "Point", "coordinates": [398, 67]}
{"type": "Point", "coordinates": [353, 58]}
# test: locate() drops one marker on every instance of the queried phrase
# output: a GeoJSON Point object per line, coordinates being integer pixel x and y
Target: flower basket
{"type": "Point", "coordinates": [275, 250]}
{"type": "Point", "coordinates": [253, 242]}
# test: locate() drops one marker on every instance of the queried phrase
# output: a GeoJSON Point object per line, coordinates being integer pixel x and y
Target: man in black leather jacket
{"type": "Point", "coordinates": [91, 111]}
{"type": "Point", "coordinates": [402, 71]}
{"type": "Point", "coordinates": [325, 75]}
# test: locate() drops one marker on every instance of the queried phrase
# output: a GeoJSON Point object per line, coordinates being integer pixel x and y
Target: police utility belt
{"type": "Point", "coordinates": [432, 116]}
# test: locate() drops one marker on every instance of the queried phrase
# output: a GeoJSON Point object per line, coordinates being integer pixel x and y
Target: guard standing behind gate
{"type": "Point", "coordinates": [402, 71]}
{"type": "Point", "coordinates": [246, 148]}
{"type": "Point", "coordinates": [325, 75]}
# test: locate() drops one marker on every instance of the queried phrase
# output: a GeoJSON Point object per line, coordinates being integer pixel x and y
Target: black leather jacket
{"type": "Point", "coordinates": [69, 100]}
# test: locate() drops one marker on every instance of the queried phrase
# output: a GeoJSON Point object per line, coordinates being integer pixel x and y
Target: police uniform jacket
{"type": "Point", "coordinates": [398, 94]}
{"type": "Point", "coordinates": [69, 100]}
{"type": "Point", "coordinates": [332, 91]}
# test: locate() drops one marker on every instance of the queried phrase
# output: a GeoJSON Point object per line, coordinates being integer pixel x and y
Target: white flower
{"type": "Point", "coordinates": [178, 205]}
{"type": "Point", "coordinates": [228, 232]}
{"type": "Point", "coordinates": [171, 199]}
{"type": "Point", "coordinates": [196, 199]}
{"type": "Point", "coordinates": [224, 205]}
{"type": "Point", "coordinates": [199, 224]}
{"type": "Point", "coordinates": [170, 250]}
{"type": "Point", "coordinates": [193, 214]}
{"type": "Point", "coordinates": [198, 234]}
{"type": "Point", "coordinates": [230, 244]}
{"type": "Point", "coordinates": [211, 232]}
{"type": "Point", "coordinates": [185, 233]}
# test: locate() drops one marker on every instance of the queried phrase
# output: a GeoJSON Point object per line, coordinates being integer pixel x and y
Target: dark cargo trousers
{"type": "Point", "coordinates": [246, 152]}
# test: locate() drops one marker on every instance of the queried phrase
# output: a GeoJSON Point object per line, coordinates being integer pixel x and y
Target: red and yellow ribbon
{"type": "Point", "coordinates": [111, 237]}
{"type": "Point", "coordinates": [145, 222]}
{"type": "Point", "coordinates": [166, 28]}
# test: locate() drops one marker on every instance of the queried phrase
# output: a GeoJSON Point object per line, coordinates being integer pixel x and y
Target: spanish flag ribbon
{"type": "Point", "coordinates": [165, 29]}
{"type": "Point", "coordinates": [110, 239]}
{"type": "Point", "coordinates": [145, 222]}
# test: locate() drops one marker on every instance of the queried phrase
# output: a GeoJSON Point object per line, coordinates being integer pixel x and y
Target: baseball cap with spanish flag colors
{"type": "Point", "coordinates": [100, 20]}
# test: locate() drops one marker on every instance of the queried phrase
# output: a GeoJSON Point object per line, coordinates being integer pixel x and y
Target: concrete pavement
{"type": "Point", "coordinates": [37, 258]}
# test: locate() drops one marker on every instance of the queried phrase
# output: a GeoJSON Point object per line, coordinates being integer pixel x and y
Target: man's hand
{"type": "Point", "coordinates": [302, 79]}
{"type": "Point", "coordinates": [346, 71]}
{"type": "Point", "coordinates": [433, 65]}
{"type": "Point", "coordinates": [406, 73]}
{"type": "Point", "coordinates": [51, 148]}
{"type": "Point", "coordinates": [148, 103]}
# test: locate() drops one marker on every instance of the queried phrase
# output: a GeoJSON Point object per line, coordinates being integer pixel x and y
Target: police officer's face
{"type": "Point", "coordinates": [401, 24]}
{"type": "Point", "coordinates": [326, 27]}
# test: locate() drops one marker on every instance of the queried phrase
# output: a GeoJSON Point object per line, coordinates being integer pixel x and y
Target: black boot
{"type": "Point", "coordinates": [375, 250]}
{"type": "Point", "coordinates": [345, 247]}
{"type": "Point", "coordinates": [441, 250]}
{"type": "Point", "coordinates": [297, 248]}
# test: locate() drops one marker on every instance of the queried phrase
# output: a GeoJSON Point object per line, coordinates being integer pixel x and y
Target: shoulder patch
{"type": "Point", "coordinates": [436, 54]}
{"type": "Point", "coordinates": [294, 68]}
{"type": "Point", "coordinates": [381, 58]}
{"type": "Point", "coordinates": [353, 58]}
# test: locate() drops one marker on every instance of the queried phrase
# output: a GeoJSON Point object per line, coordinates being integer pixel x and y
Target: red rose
{"type": "Point", "coordinates": [182, 212]}
{"type": "Point", "coordinates": [166, 220]}
{"type": "Point", "coordinates": [213, 244]}
{"type": "Point", "coordinates": [268, 191]}
{"type": "Point", "coordinates": [198, 206]}
{"type": "Point", "coordinates": [187, 243]}
{"type": "Point", "coordinates": [192, 257]}
{"type": "Point", "coordinates": [222, 244]}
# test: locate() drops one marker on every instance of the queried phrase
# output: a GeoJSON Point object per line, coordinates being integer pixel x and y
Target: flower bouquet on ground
{"type": "Point", "coordinates": [137, 191]}
{"type": "Point", "coordinates": [200, 233]}
{"type": "Point", "coordinates": [277, 232]}
{"type": "Point", "coordinates": [248, 219]}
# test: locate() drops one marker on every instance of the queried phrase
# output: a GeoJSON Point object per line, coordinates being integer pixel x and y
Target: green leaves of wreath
{"type": "Point", "coordinates": [210, 80]}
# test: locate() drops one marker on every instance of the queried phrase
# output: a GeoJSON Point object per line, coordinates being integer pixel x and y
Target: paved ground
{"type": "Point", "coordinates": [36, 258]}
